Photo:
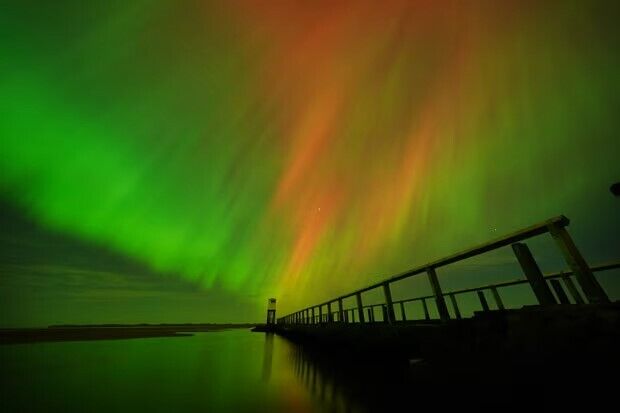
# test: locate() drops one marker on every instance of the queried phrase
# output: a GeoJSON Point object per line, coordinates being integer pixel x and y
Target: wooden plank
{"type": "Point", "coordinates": [455, 307]}
{"type": "Point", "coordinates": [427, 316]}
{"type": "Point", "coordinates": [533, 274]}
{"type": "Point", "coordinates": [360, 307]}
{"type": "Point", "coordinates": [572, 289]}
{"type": "Point", "coordinates": [498, 299]}
{"type": "Point", "coordinates": [589, 284]}
{"type": "Point", "coordinates": [483, 300]}
{"type": "Point", "coordinates": [442, 309]}
{"type": "Point", "coordinates": [388, 302]}
{"type": "Point", "coordinates": [559, 292]}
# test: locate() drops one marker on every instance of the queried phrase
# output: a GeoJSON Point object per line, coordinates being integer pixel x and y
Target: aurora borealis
{"type": "Point", "coordinates": [296, 149]}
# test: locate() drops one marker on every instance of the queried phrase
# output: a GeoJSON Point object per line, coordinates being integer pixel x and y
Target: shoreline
{"type": "Point", "coordinates": [107, 332]}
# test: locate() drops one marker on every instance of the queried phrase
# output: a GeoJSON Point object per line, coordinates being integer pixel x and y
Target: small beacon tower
{"type": "Point", "coordinates": [271, 311]}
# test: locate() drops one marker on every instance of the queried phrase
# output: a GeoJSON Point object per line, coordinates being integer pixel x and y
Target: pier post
{"type": "Point", "coordinates": [330, 316]}
{"type": "Point", "coordinates": [388, 301]}
{"type": "Point", "coordinates": [498, 299]}
{"type": "Point", "coordinates": [340, 311]}
{"type": "Point", "coordinates": [483, 300]}
{"type": "Point", "coordinates": [589, 284]}
{"type": "Point", "coordinates": [360, 308]}
{"type": "Point", "coordinates": [370, 318]}
{"type": "Point", "coordinates": [444, 315]}
{"type": "Point", "coordinates": [455, 306]}
{"type": "Point", "coordinates": [570, 285]}
{"type": "Point", "coordinates": [402, 311]}
{"type": "Point", "coordinates": [559, 292]}
{"type": "Point", "coordinates": [533, 274]}
{"type": "Point", "coordinates": [313, 317]}
{"type": "Point", "coordinates": [427, 316]}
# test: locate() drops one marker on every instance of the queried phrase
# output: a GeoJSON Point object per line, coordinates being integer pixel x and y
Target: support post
{"type": "Point", "coordinates": [498, 299]}
{"type": "Point", "coordinates": [402, 311]}
{"type": "Point", "coordinates": [442, 309]}
{"type": "Point", "coordinates": [570, 285]}
{"type": "Point", "coordinates": [313, 317]}
{"type": "Point", "coordinates": [370, 318]}
{"type": "Point", "coordinates": [584, 276]}
{"type": "Point", "coordinates": [559, 292]}
{"type": "Point", "coordinates": [340, 311]}
{"type": "Point", "coordinates": [360, 308]}
{"type": "Point", "coordinates": [427, 316]}
{"type": "Point", "coordinates": [321, 314]}
{"type": "Point", "coordinates": [533, 274]}
{"type": "Point", "coordinates": [330, 316]}
{"type": "Point", "coordinates": [455, 306]}
{"type": "Point", "coordinates": [388, 302]}
{"type": "Point", "coordinates": [483, 300]}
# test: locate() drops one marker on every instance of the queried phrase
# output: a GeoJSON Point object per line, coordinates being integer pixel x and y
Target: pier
{"type": "Point", "coordinates": [571, 306]}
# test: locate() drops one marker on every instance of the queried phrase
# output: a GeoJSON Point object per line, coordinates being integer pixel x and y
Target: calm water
{"type": "Point", "coordinates": [240, 371]}
{"type": "Point", "coordinates": [233, 370]}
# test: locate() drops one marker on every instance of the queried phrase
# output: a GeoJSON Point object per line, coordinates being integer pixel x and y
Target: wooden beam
{"type": "Point", "coordinates": [442, 309]}
{"type": "Point", "coordinates": [572, 289]}
{"type": "Point", "coordinates": [455, 306]}
{"type": "Point", "coordinates": [498, 299]}
{"type": "Point", "coordinates": [588, 283]}
{"type": "Point", "coordinates": [388, 302]}
{"type": "Point", "coordinates": [559, 292]}
{"type": "Point", "coordinates": [533, 274]}
{"type": "Point", "coordinates": [483, 300]}
{"type": "Point", "coordinates": [360, 307]}
{"type": "Point", "coordinates": [427, 316]}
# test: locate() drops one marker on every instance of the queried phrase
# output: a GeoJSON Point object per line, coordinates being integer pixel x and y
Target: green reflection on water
{"type": "Point", "coordinates": [212, 372]}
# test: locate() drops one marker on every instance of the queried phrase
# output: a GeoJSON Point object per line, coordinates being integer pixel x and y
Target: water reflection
{"type": "Point", "coordinates": [228, 371]}
{"type": "Point", "coordinates": [268, 356]}
{"type": "Point", "coordinates": [339, 384]}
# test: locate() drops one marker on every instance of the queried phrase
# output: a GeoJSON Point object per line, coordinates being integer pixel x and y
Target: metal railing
{"type": "Point", "coordinates": [556, 227]}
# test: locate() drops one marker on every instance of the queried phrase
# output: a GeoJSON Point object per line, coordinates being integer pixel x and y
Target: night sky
{"type": "Point", "coordinates": [182, 161]}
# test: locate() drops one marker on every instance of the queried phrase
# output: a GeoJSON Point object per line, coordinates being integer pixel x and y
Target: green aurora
{"type": "Point", "coordinates": [182, 161]}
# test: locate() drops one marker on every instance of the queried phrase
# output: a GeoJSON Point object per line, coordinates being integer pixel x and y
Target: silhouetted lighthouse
{"type": "Point", "coordinates": [271, 311]}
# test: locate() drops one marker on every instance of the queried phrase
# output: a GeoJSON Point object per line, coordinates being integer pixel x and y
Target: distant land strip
{"type": "Point", "coordinates": [107, 332]}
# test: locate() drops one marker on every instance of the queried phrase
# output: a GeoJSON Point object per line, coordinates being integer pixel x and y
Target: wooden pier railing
{"type": "Point", "coordinates": [334, 311]}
